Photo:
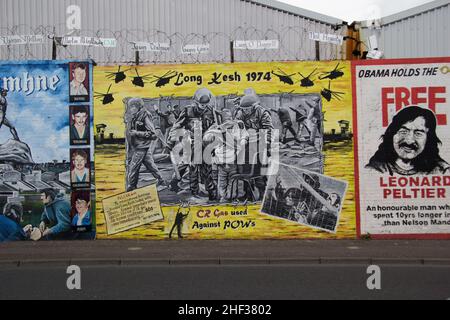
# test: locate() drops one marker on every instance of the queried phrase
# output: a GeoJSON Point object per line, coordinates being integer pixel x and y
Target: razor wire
{"type": "Point", "coordinates": [294, 45]}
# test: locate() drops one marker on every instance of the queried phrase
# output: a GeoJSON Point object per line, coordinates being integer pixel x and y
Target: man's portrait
{"type": "Point", "coordinates": [81, 210]}
{"type": "Point", "coordinates": [79, 125]}
{"type": "Point", "coordinates": [410, 146]}
{"type": "Point", "coordinates": [80, 168]}
{"type": "Point", "coordinates": [79, 82]}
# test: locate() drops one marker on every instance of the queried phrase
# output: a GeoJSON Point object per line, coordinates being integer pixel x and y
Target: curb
{"type": "Point", "coordinates": [437, 262]}
{"type": "Point", "coordinates": [294, 261]}
{"type": "Point", "coordinates": [246, 261]}
{"type": "Point", "coordinates": [383, 261]}
{"type": "Point", "coordinates": [9, 264]}
{"type": "Point", "coordinates": [352, 261]}
{"type": "Point", "coordinates": [222, 262]}
{"type": "Point", "coordinates": [197, 262]}
{"type": "Point", "coordinates": [43, 263]}
{"type": "Point", "coordinates": [148, 263]}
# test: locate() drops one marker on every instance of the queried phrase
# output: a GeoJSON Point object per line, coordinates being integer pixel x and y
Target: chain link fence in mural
{"type": "Point", "coordinates": [293, 44]}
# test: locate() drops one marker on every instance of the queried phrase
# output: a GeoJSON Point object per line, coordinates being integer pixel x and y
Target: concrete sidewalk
{"type": "Point", "coordinates": [228, 252]}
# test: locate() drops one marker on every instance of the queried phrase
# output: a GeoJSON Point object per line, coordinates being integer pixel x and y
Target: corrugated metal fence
{"type": "Point", "coordinates": [179, 22]}
{"type": "Point", "coordinates": [419, 32]}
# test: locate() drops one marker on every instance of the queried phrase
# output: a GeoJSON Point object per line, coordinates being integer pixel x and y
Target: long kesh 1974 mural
{"type": "Point", "coordinates": [194, 151]}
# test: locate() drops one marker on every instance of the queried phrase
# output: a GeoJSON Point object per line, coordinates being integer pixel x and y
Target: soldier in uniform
{"type": "Point", "coordinates": [314, 120]}
{"type": "Point", "coordinates": [3, 119]}
{"type": "Point", "coordinates": [286, 121]}
{"type": "Point", "coordinates": [201, 113]}
{"type": "Point", "coordinates": [300, 118]}
{"type": "Point", "coordinates": [258, 119]}
{"type": "Point", "coordinates": [168, 118]}
{"type": "Point", "coordinates": [254, 116]}
{"type": "Point", "coordinates": [140, 134]}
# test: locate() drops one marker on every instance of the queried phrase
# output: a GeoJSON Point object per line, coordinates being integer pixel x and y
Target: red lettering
{"type": "Point", "coordinates": [437, 181]}
{"type": "Point", "coordinates": [219, 213]}
{"type": "Point", "coordinates": [382, 183]}
{"type": "Point", "coordinates": [403, 97]}
{"type": "Point", "coordinates": [434, 100]}
{"type": "Point", "coordinates": [415, 99]}
{"type": "Point", "coordinates": [446, 181]}
{"type": "Point", "coordinates": [203, 214]}
{"type": "Point", "coordinates": [392, 181]}
{"type": "Point", "coordinates": [403, 182]}
{"type": "Point", "coordinates": [386, 101]}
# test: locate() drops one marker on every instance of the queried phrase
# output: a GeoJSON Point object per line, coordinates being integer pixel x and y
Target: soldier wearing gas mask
{"type": "Point", "coordinates": [255, 117]}
{"type": "Point", "coordinates": [140, 135]}
{"type": "Point", "coordinates": [201, 114]}
{"type": "Point", "coordinates": [314, 120]}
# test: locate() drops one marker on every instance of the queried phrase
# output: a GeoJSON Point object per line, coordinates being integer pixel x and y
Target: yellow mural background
{"type": "Point", "coordinates": [110, 159]}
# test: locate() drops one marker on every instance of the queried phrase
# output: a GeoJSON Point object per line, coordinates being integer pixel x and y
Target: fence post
{"type": "Point", "coordinates": [232, 51]}
{"type": "Point", "coordinates": [137, 58]}
{"type": "Point", "coordinates": [317, 51]}
{"type": "Point", "coordinates": [54, 49]}
{"type": "Point", "coordinates": [54, 45]}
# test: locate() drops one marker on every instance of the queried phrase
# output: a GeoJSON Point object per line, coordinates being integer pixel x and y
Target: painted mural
{"type": "Point", "coordinates": [293, 150]}
{"type": "Point", "coordinates": [210, 151]}
{"type": "Point", "coordinates": [46, 151]}
{"type": "Point", "coordinates": [403, 157]}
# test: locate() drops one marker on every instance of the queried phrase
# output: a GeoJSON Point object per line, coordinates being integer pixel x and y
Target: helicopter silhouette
{"type": "Point", "coordinates": [106, 98]}
{"type": "Point", "coordinates": [328, 94]}
{"type": "Point", "coordinates": [284, 77]}
{"type": "Point", "coordinates": [118, 76]}
{"type": "Point", "coordinates": [307, 82]}
{"type": "Point", "coordinates": [140, 81]}
{"type": "Point", "coordinates": [332, 75]}
{"type": "Point", "coordinates": [165, 79]}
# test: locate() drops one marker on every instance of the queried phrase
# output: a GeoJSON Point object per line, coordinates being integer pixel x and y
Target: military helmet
{"type": "Point", "coordinates": [135, 105]}
{"type": "Point", "coordinates": [316, 99]}
{"type": "Point", "coordinates": [203, 96]}
{"type": "Point", "coordinates": [136, 102]}
{"type": "Point", "coordinates": [249, 101]}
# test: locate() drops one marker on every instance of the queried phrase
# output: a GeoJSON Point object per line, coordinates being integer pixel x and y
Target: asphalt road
{"type": "Point", "coordinates": [245, 251]}
{"type": "Point", "coordinates": [238, 282]}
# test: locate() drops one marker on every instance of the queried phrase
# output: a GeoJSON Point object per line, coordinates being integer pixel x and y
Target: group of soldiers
{"type": "Point", "coordinates": [308, 204]}
{"type": "Point", "coordinates": [308, 119]}
{"type": "Point", "coordinates": [217, 176]}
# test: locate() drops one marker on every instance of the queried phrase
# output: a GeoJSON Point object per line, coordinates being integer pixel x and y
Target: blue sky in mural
{"type": "Point", "coordinates": [41, 118]}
